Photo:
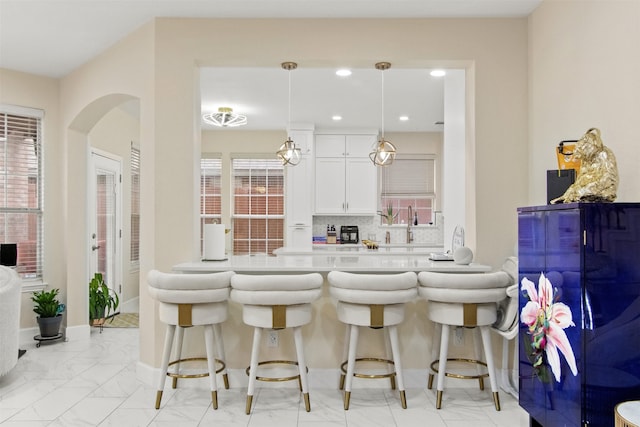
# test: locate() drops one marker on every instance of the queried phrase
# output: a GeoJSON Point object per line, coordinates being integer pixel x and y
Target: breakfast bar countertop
{"type": "Point", "coordinates": [360, 249]}
{"type": "Point", "coordinates": [322, 264]}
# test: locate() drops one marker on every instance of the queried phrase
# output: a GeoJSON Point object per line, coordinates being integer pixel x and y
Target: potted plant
{"type": "Point", "coordinates": [389, 216]}
{"type": "Point", "coordinates": [49, 311]}
{"type": "Point", "coordinates": [102, 300]}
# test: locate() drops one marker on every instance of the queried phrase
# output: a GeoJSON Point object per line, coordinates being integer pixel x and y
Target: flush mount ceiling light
{"type": "Point", "coordinates": [288, 153]}
{"type": "Point", "coordinates": [384, 151]}
{"type": "Point", "coordinates": [225, 117]}
{"type": "Point", "coordinates": [438, 73]}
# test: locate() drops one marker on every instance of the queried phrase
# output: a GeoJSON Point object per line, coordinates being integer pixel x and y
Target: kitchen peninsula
{"type": "Point", "coordinates": [324, 336]}
{"type": "Point", "coordinates": [357, 261]}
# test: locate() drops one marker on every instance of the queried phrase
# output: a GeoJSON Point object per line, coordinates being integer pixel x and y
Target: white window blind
{"type": "Point", "coordinates": [409, 177]}
{"type": "Point", "coordinates": [409, 182]}
{"type": "Point", "coordinates": [21, 208]}
{"type": "Point", "coordinates": [135, 206]}
{"type": "Point", "coordinates": [258, 205]}
{"type": "Point", "coordinates": [210, 193]}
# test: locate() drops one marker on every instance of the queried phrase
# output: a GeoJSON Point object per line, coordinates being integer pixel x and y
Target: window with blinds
{"type": "Point", "coordinates": [135, 207]}
{"type": "Point", "coordinates": [258, 205]}
{"type": "Point", "coordinates": [21, 210]}
{"type": "Point", "coordinates": [409, 181]}
{"type": "Point", "coordinates": [210, 194]}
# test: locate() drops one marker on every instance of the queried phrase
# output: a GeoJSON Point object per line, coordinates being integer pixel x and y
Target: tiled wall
{"type": "Point", "coordinates": [429, 234]}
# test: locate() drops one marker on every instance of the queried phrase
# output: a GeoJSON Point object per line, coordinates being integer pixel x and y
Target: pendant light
{"type": "Point", "coordinates": [288, 153]}
{"type": "Point", "coordinates": [384, 151]}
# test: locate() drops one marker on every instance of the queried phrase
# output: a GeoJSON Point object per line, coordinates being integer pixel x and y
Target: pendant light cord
{"type": "Point", "coordinates": [382, 106]}
{"type": "Point", "coordinates": [289, 117]}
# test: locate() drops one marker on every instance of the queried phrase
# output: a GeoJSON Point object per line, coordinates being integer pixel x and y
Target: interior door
{"type": "Point", "coordinates": [105, 203]}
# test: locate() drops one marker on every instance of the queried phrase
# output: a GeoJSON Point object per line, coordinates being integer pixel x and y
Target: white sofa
{"type": "Point", "coordinates": [10, 291]}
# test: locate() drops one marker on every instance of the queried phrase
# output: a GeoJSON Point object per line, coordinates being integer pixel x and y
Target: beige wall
{"type": "Point", "coordinates": [158, 65]}
{"type": "Point", "coordinates": [494, 51]}
{"type": "Point", "coordinates": [584, 68]}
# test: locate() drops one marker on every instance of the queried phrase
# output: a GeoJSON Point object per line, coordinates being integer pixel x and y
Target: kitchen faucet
{"type": "Point", "coordinates": [410, 219]}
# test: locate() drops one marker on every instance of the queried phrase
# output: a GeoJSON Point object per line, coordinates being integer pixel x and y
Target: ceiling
{"type": "Point", "coordinates": [53, 37]}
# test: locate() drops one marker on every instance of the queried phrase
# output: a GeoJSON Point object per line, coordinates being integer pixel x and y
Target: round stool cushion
{"type": "Point", "coordinates": [276, 289]}
{"type": "Point", "coordinates": [201, 314]}
{"type": "Point", "coordinates": [360, 314]}
{"type": "Point", "coordinates": [178, 288]}
{"type": "Point", "coordinates": [463, 295]}
{"type": "Point", "coordinates": [498, 279]}
{"type": "Point", "coordinates": [373, 288]}
{"type": "Point", "coordinates": [261, 316]}
{"type": "Point", "coordinates": [447, 313]}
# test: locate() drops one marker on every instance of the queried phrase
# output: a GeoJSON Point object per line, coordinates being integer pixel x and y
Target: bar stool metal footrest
{"type": "Point", "coordinates": [277, 379]}
{"type": "Point", "coordinates": [479, 377]}
{"type": "Point", "coordinates": [390, 375]}
{"type": "Point", "coordinates": [176, 375]}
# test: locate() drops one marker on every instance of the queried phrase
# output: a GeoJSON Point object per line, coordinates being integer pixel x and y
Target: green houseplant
{"type": "Point", "coordinates": [389, 216]}
{"type": "Point", "coordinates": [49, 311]}
{"type": "Point", "coordinates": [102, 300]}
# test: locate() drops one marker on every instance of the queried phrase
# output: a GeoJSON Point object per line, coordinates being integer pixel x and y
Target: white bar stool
{"type": "Point", "coordinates": [376, 301]}
{"type": "Point", "coordinates": [187, 300]}
{"type": "Point", "coordinates": [276, 302]}
{"type": "Point", "coordinates": [468, 300]}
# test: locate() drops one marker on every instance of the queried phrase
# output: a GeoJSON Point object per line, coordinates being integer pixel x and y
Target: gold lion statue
{"type": "Point", "coordinates": [597, 179]}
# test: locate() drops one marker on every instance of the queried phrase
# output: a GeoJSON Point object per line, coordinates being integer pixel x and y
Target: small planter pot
{"type": "Point", "coordinates": [49, 326]}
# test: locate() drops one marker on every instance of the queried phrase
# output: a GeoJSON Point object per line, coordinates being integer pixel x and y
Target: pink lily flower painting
{"type": "Point", "coordinates": [547, 319]}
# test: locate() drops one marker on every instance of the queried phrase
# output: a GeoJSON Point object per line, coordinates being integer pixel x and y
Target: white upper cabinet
{"type": "Point", "coordinates": [346, 179]}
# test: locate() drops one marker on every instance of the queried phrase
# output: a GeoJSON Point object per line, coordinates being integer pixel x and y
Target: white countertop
{"type": "Point", "coordinates": [413, 249]}
{"type": "Point", "coordinates": [319, 263]}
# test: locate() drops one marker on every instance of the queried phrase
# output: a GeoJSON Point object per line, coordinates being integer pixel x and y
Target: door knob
{"type": "Point", "coordinates": [95, 248]}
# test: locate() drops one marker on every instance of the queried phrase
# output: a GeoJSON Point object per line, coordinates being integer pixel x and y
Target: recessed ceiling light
{"type": "Point", "coordinates": [336, 118]}
{"type": "Point", "coordinates": [403, 118]}
{"type": "Point", "coordinates": [438, 73]}
{"type": "Point", "coordinates": [343, 72]}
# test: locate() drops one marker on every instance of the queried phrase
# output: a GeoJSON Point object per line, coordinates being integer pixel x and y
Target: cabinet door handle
{"type": "Point", "coordinates": [347, 207]}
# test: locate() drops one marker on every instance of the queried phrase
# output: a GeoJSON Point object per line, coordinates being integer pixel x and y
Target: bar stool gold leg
{"type": "Point", "coordinates": [307, 403]}
{"type": "Point", "coordinates": [214, 399]}
{"type": "Point", "coordinates": [430, 382]}
{"type": "Point", "coordinates": [225, 378]}
{"type": "Point", "coordinates": [158, 399]}
{"type": "Point", "coordinates": [439, 399]}
{"type": "Point", "coordinates": [481, 381]}
{"type": "Point", "coordinates": [393, 382]}
{"type": "Point", "coordinates": [174, 382]}
{"type": "Point", "coordinates": [342, 381]}
{"type": "Point", "coordinates": [347, 398]}
{"type": "Point", "coordinates": [403, 399]}
{"type": "Point", "coordinates": [249, 401]}
{"type": "Point", "coordinates": [496, 400]}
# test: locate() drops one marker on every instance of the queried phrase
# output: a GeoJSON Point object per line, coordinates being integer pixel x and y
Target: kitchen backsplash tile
{"type": "Point", "coordinates": [427, 234]}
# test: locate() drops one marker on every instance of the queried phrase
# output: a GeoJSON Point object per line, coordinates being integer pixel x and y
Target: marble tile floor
{"type": "Point", "coordinates": [93, 383]}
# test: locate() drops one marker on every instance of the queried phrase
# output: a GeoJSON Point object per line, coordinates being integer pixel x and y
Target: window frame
{"type": "Point", "coordinates": [273, 233]}
{"type": "Point", "coordinates": [134, 253]}
{"type": "Point", "coordinates": [38, 211]}
{"type": "Point", "coordinates": [216, 217]}
{"type": "Point", "coordinates": [411, 191]}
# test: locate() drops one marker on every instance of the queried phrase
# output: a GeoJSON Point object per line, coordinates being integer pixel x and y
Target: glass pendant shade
{"type": "Point", "coordinates": [288, 153]}
{"type": "Point", "coordinates": [384, 153]}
